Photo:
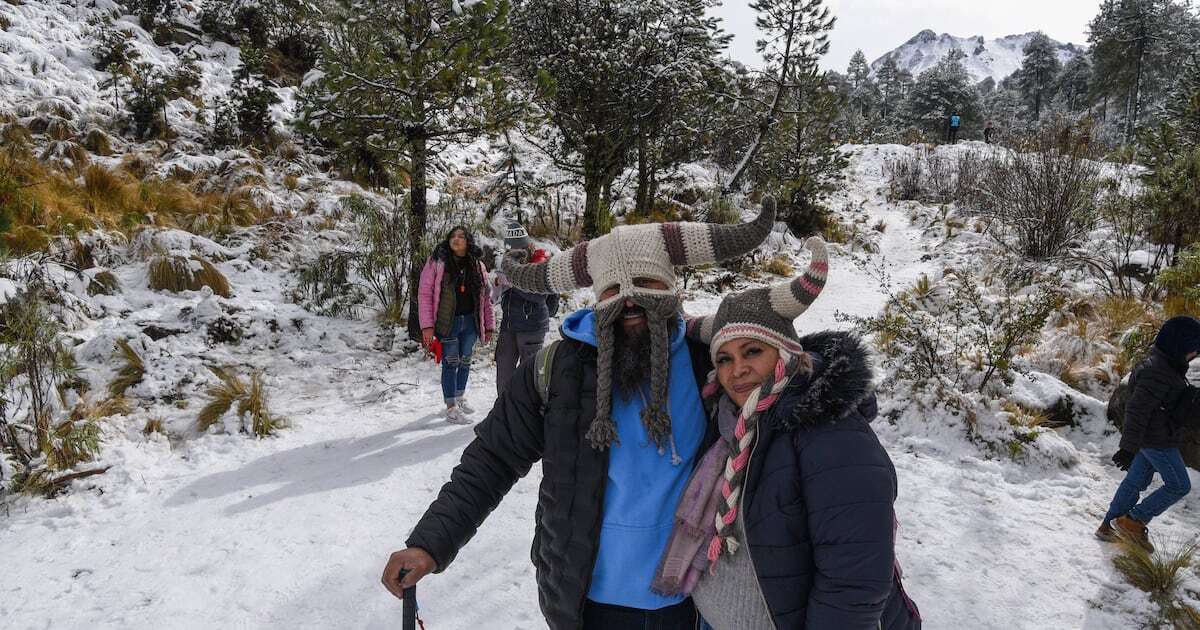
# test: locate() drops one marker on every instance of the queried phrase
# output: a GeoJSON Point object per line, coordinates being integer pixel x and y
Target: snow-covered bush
{"type": "Point", "coordinates": [1182, 282]}
{"type": "Point", "coordinates": [1042, 198]}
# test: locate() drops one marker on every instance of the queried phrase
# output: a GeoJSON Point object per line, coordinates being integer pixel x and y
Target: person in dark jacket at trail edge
{"type": "Point", "coordinates": [788, 521]}
{"type": "Point", "coordinates": [617, 433]}
{"type": "Point", "coordinates": [1161, 405]}
{"type": "Point", "coordinates": [525, 316]}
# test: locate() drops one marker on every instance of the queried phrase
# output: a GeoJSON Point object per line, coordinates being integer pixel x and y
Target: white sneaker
{"type": "Point", "coordinates": [463, 406]}
{"type": "Point", "coordinates": [454, 416]}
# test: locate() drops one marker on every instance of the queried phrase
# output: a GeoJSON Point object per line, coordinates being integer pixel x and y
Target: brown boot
{"type": "Point", "coordinates": [1134, 531]}
{"type": "Point", "coordinates": [1107, 533]}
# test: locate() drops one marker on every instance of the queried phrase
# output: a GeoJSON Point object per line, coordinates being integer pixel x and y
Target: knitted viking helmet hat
{"type": "Point", "coordinates": [766, 313]}
{"type": "Point", "coordinates": [650, 250]}
{"type": "Point", "coordinates": [616, 259]}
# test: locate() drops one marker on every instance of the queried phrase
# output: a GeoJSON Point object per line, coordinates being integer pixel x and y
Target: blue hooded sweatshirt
{"type": "Point", "coordinates": [643, 486]}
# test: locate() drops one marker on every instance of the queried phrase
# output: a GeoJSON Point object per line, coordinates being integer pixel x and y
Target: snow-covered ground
{"type": "Point", "coordinates": [227, 531]}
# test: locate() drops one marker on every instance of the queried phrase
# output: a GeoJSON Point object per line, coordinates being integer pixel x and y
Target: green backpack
{"type": "Point", "coordinates": [543, 362]}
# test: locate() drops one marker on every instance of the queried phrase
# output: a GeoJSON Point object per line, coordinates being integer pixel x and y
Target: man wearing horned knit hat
{"type": "Point", "coordinates": [617, 430]}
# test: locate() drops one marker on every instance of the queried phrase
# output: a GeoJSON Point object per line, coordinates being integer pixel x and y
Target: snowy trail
{"type": "Point", "coordinates": [292, 532]}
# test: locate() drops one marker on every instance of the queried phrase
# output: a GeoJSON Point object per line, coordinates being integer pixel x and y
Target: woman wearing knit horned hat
{"type": "Point", "coordinates": [787, 521]}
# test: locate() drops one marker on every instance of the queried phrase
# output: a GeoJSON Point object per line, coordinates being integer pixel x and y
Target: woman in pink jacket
{"type": "Point", "coordinates": [454, 308]}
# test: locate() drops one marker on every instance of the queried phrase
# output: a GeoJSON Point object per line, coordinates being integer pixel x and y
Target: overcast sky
{"type": "Point", "coordinates": [878, 26]}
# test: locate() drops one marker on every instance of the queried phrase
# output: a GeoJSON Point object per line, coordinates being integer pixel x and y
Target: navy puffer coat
{"type": "Point", "coordinates": [818, 501]}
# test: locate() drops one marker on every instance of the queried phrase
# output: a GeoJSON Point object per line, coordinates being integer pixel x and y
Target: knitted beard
{"type": "Point", "coordinates": [662, 315]}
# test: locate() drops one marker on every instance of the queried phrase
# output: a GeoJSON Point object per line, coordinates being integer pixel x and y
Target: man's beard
{"type": "Point", "coordinates": [631, 359]}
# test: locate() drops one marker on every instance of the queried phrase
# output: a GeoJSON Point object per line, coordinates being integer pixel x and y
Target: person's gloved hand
{"type": "Point", "coordinates": [1123, 459]}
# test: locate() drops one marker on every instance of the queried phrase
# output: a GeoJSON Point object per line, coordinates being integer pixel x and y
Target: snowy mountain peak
{"type": "Point", "coordinates": [996, 58]}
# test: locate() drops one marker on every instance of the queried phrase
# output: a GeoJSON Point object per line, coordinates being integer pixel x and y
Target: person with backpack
{"type": "Point", "coordinates": [788, 521]}
{"type": "Point", "coordinates": [454, 307]}
{"type": "Point", "coordinates": [525, 317]}
{"type": "Point", "coordinates": [955, 121]}
{"type": "Point", "coordinates": [617, 423]}
{"type": "Point", "coordinates": [988, 130]}
{"type": "Point", "coordinates": [1162, 404]}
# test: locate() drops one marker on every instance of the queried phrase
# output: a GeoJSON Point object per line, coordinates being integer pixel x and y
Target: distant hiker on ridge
{"type": "Point", "coordinates": [1161, 405]}
{"type": "Point", "coordinates": [613, 412]}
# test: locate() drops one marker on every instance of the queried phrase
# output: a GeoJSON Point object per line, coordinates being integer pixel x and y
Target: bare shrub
{"type": "Point", "coordinates": [1042, 200]}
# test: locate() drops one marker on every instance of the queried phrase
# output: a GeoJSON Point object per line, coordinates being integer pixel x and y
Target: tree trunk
{"type": "Point", "coordinates": [1137, 86]}
{"type": "Point", "coordinates": [416, 231]}
{"type": "Point", "coordinates": [764, 126]}
{"type": "Point", "coordinates": [512, 173]}
{"type": "Point", "coordinates": [642, 201]}
{"type": "Point", "coordinates": [593, 188]}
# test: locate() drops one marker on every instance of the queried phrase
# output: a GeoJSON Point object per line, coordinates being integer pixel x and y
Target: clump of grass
{"type": "Point", "coordinates": [154, 425]}
{"type": "Point", "coordinates": [1157, 574]}
{"type": "Point", "coordinates": [251, 402]}
{"type": "Point", "coordinates": [25, 239]}
{"type": "Point", "coordinates": [1021, 416]}
{"type": "Point", "coordinates": [98, 142]}
{"type": "Point", "coordinates": [837, 232]}
{"type": "Point", "coordinates": [780, 266]}
{"type": "Point", "coordinates": [71, 443]}
{"type": "Point", "coordinates": [175, 273]}
{"type": "Point", "coordinates": [103, 283]}
{"type": "Point", "coordinates": [131, 371]}
{"type": "Point", "coordinates": [291, 182]}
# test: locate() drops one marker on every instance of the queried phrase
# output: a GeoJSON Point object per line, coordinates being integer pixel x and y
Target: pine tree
{"type": "Point", "coordinates": [614, 79]}
{"type": "Point", "coordinates": [1132, 41]}
{"type": "Point", "coordinates": [1039, 70]}
{"type": "Point", "coordinates": [796, 36]}
{"type": "Point", "coordinates": [1075, 83]}
{"type": "Point", "coordinates": [397, 82]}
{"type": "Point", "coordinates": [940, 91]}
{"type": "Point", "coordinates": [888, 77]}
{"type": "Point", "coordinates": [252, 97]}
{"type": "Point", "coordinates": [801, 162]}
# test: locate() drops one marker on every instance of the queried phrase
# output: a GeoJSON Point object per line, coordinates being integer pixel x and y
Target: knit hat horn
{"type": "Point", "coordinates": [766, 313]}
{"type": "Point", "coordinates": [649, 250]}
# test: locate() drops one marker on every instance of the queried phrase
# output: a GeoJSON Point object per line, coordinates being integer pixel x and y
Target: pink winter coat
{"type": "Point", "coordinates": [430, 293]}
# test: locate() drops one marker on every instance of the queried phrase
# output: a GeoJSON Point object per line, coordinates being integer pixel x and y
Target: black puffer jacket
{"type": "Point", "coordinates": [514, 436]}
{"type": "Point", "coordinates": [1161, 404]}
{"type": "Point", "coordinates": [818, 500]}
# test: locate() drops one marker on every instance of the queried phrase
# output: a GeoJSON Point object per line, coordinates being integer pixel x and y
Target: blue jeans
{"type": "Point", "coordinates": [456, 356]}
{"type": "Point", "coordinates": [1168, 463]}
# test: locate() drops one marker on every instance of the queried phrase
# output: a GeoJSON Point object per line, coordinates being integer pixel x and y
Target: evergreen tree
{"type": "Point", "coordinates": [1039, 71]}
{"type": "Point", "coordinates": [890, 88]}
{"type": "Point", "coordinates": [801, 162]}
{"type": "Point", "coordinates": [397, 82]}
{"type": "Point", "coordinates": [863, 91]}
{"type": "Point", "coordinates": [1075, 83]}
{"type": "Point", "coordinates": [796, 36]}
{"type": "Point", "coordinates": [940, 91]}
{"type": "Point", "coordinates": [252, 97]}
{"type": "Point", "coordinates": [612, 77]}
{"type": "Point", "coordinates": [1132, 43]}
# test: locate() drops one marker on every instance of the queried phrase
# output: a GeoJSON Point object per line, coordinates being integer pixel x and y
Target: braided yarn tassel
{"type": "Point", "coordinates": [735, 466]}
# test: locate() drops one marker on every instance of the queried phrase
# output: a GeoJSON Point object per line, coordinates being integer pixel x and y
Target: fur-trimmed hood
{"type": "Point", "coordinates": [841, 381]}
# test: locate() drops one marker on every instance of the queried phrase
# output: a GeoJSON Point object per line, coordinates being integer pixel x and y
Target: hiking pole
{"type": "Point", "coordinates": [409, 612]}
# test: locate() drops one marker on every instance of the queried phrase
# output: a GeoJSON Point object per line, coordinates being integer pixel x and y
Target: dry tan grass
{"type": "Point", "coordinates": [251, 400]}
{"type": "Point", "coordinates": [131, 372]}
{"type": "Point", "coordinates": [780, 266]}
{"type": "Point", "coordinates": [177, 273]}
{"type": "Point", "coordinates": [1022, 416]}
